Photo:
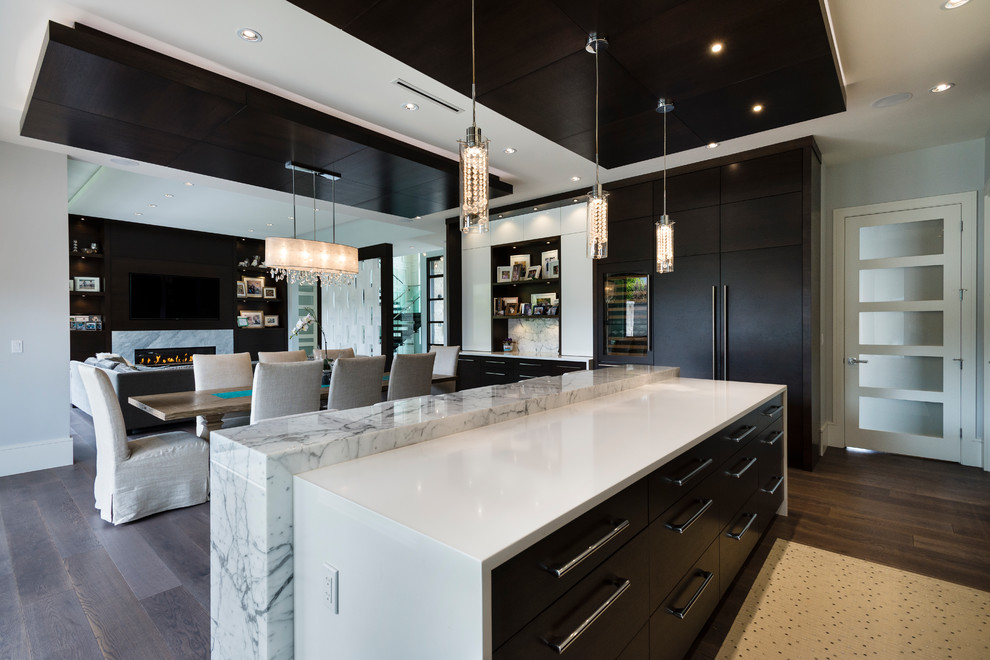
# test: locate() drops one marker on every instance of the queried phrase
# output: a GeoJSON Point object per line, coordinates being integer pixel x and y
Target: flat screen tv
{"type": "Point", "coordinates": [173, 297]}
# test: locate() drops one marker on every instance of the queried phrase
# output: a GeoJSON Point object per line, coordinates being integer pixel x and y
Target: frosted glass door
{"type": "Point", "coordinates": [902, 372]}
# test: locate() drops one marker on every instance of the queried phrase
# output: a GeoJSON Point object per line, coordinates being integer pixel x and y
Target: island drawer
{"type": "Point", "coordinates": [597, 618]}
{"type": "Point", "coordinates": [737, 434]}
{"type": "Point", "coordinates": [675, 624]}
{"type": "Point", "coordinates": [680, 535]}
{"type": "Point", "coordinates": [674, 480]}
{"type": "Point", "coordinates": [527, 583]}
{"type": "Point", "coordinates": [739, 478]}
{"type": "Point", "coordinates": [739, 538]}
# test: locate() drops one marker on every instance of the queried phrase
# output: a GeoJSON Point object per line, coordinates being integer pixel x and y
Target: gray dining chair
{"type": "Point", "coordinates": [146, 475]}
{"type": "Point", "coordinates": [281, 356]}
{"type": "Point", "coordinates": [332, 353]}
{"type": "Point", "coordinates": [285, 388]}
{"type": "Point", "coordinates": [445, 365]}
{"type": "Point", "coordinates": [356, 382]}
{"type": "Point", "coordinates": [411, 375]}
{"type": "Point", "coordinates": [213, 372]}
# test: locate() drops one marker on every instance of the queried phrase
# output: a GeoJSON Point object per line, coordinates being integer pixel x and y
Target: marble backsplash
{"type": "Point", "coordinates": [123, 342]}
{"type": "Point", "coordinates": [535, 335]}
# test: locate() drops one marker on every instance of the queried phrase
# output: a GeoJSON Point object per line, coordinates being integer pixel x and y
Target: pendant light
{"type": "Point", "coordinates": [665, 228]}
{"type": "Point", "coordinates": [474, 166]}
{"type": "Point", "coordinates": [309, 262]}
{"type": "Point", "coordinates": [597, 198]}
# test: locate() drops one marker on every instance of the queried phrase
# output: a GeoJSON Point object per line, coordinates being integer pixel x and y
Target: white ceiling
{"type": "Point", "coordinates": [885, 47]}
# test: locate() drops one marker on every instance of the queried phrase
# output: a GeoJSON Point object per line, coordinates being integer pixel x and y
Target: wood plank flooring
{"type": "Point", "coordinates": [74, 586]}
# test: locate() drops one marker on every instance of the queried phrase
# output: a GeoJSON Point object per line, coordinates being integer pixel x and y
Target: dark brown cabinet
{"type": "Point", "coordinates": [478, 370]}
{"type": "Point", "coordinates": [88, 324]}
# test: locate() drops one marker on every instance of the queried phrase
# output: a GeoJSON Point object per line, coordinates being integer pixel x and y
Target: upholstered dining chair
{"type": "Point", "coordinates": [285, 388]}
{"type": "Point", "coordinates": [332, 353]}
{"type": "Point", "coordinates": [146, 475]}
{"type": "Point", "coordinates": [281, 356]}
{"type": "Point", "coordinates": [411, 375]}
{"type": "Point", "coordinates": [445, 365]}
{"type": "Point", "coordinates": [213, 372]}
{"type": "Point", "coordinates": [356, 382]}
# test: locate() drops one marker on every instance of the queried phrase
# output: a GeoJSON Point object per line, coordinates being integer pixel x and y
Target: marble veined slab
{"type": "Point", "coordinates": [251, 470]}
{"type": "Point", "coordinates": [123, 342]}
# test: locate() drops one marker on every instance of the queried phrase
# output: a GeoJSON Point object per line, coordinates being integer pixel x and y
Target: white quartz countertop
{"type": "Point", "coordinates": [492, 491]}
{"type": "Point", "coordinates": [530, 356]}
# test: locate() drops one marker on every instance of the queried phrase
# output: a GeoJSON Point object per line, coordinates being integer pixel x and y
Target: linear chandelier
{"type": "Point", "coordinates": [310, 262]}
{"type": "Point", "coordinates": [597, 198]}
{"type": "Point", "coordinates": [665, 228]}
{"type": "Point", "coordinates": [474, 165]}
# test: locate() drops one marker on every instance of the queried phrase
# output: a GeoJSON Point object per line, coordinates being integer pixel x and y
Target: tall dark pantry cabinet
{"type": "Point", "coordinates": [742, 303]}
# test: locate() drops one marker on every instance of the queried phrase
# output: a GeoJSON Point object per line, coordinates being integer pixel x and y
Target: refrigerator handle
{"type": "Point", "coordinates": [725, 332]}
{"type": "Point", "coordinates": [714, 335]}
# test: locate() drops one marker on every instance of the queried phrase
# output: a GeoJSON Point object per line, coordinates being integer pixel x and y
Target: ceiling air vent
{"type": "Point", "coordinates": [426, 95]}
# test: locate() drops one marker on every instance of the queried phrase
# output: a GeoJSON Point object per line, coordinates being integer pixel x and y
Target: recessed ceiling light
{"type": "Point", "coordinates": [942, 87]}
{"type": "Point", "coordinates": [575, 178]}
{"type": "Point", "coordinates": [126, 162]}
{"type": "Point", "coordinates": [247, 34]}
{"type": "Point", "coordinates": [418, 217]}
{"type": "Point", "coordinates": [711, 145]}
{"type": "Point", "coordinates": [717, 47]}
{"type": "Point", "coordinates": [500, 215]}
{"type": "Point", "coordinates": [291, 218]}
{"type": "Point", "coordinates": [574, 200]}
{"type": "Point", "coordinates": [411, 107]}
{"type": "Point", "coordinates": [138, 213]}
{"type": "Point", "coordinates": [269, 224]}
{"type": "Point", "coordinates": [893, 99]}
{"type": "Point", "coordinates": [154, 206]}
{"type": "Point", "coordinates": [758, 108]}
{"type": "Point", "coordinates": [169, 195]}
{"type": "Point", "coordinates": [510, 150]}
{"type": "Point", "coordinates": [189, 183]}
{"type": "Point", "coordinates": [953, 4]}
{"type": "Point", "coordinates": [250, 231]}
{"type": "Point", "coordinates": [536, 208]}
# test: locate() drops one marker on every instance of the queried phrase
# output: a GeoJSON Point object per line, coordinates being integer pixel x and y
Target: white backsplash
{"type": "Point", "coordinates": [535, 335]}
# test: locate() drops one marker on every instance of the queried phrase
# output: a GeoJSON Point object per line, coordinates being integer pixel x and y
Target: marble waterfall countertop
{"type": "Point", "coordinates": [251, 470]}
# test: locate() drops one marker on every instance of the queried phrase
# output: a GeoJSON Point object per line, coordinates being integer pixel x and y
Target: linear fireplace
{"type": "Point", "coordinates": [162, 357]}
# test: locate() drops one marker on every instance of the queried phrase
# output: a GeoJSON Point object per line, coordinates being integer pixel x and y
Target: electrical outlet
{"type": "Point", "coordinates": [16, 346]}
{"type": "Point", "coordinates": [331, 588]}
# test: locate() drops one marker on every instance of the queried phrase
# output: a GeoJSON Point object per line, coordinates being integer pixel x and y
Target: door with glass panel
{"type": "Point", "coordinates": [903, 355]}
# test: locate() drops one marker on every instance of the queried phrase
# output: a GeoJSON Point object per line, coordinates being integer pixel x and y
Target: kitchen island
{"type": "Point", "coordinates": [605, 527]}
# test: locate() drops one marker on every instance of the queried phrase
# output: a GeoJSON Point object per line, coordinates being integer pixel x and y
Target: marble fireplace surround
{"type": "Point", "coordinates": [251, 470]}
{"type": "Point", "coordinates": [123, 342]}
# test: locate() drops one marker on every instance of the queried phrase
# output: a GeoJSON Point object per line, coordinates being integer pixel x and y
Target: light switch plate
{"type": "Point", "coordinates": [331, 588]}
{"type": "Point", "coordinates": [16, 346]}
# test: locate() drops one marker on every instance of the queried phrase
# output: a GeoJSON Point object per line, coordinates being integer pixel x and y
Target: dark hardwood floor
{"type": "Point", "coordinates": [74, 586]}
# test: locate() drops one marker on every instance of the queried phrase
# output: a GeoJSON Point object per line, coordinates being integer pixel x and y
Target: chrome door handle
{"type": "Point", "coordinates": [855, 361]}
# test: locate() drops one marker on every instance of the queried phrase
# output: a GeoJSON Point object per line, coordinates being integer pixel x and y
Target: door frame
{"type": "Point", "coordinates": [971, 447]}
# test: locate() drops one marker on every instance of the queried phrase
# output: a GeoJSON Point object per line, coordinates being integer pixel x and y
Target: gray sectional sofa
{"type": "Point", "coordinates": [131, 381]}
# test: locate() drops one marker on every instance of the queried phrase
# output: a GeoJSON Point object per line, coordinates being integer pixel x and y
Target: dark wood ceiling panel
{"type": "Point", "coordinates": [639, 137]}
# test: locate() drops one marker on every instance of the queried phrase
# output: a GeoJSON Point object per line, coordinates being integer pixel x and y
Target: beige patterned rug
{"type": "Point", "coordinates": [810, 603]}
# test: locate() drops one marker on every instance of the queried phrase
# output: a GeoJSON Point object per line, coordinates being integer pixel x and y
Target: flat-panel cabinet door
{"type": "Point", "coordinates": [685, 316]}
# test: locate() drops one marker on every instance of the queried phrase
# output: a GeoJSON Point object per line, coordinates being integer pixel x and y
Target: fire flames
{"type": "Point", "coordinates": [159, 360]}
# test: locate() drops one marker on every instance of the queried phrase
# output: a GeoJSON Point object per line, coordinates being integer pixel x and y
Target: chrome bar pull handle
{"type": "Point", "coordinates": [740, 473]}
{"type": "Point", "coordinates": [562, 570]}
{"type": "Point", "coordinates": [560, 643]}
{"type": "Point", "coordinates": [773, 440]}
{"type": "Point", "coordinates": [680, 481]}
{"type": "Point", "coordinates": [856, 361]}
{"type": "Point", "coordinates": [773, 490]}
{"type": "Point", "coordinates": [772, 411]}
{"type": "Point", "coordinates": [725, 332]}
{"type": "Point", "coordinates": [680, 528]}
{"type": "Point", "coordinates": [741, 434]}
{"type": "Point", "coordinates": [714, 335]}
{"type": "Point", "coordinates": [681, 612]}
{"type": "Point", "coordinates": [742, 532]}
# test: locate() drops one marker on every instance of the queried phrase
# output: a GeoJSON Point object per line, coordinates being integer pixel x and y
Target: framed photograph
{"type": "Point", "coordinates": [533, 272]}
{"type": "Point", "coordinates": [241, 289]}
{"type": "Point", "coordinates": [552, 310]}
{"type": "Point", "coordinates": [253, 286]}
{"type": "Point", "coordinates": [72, 285]}
{"type": "Point", "coordinates": [552, 269]}
{"type": "Point", "coordinates": [271, 320]}
{"type": "Point", "coordinates": [546, 258]}
{"type": "Point", "coordinates": [242, 322]}
{"type": "Point", "coordinates": [270, 292]}
{"type": "Point", "coordinates": [518, 272]}
{"type": "Point", "coordinates": [544, 299]}
{"type": "Point", "coordinates": [88, 284]}
{"type": "Point", "coordinates": [255, 319]}
{"type": "Point", "coordinates": [525, 309]}
{"type": "Point", "coordinates": [521, 259]}
{"type": "Point", "coordinates": [537, 311]}
{"type": "Point", "coordinates": [512, 309]}
{"type": "Point", "coordinates": [504, 274]}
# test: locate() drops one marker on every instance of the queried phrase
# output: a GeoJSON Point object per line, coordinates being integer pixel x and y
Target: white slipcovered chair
{"type": "Point", "coordinates": [214, 372]}
{"type": "Point", "coordinates": [332, 353]}
{"type": "Point", "coordinates": [445, 365]}
{"type": "Point", "coordinates": [411, 375]}
{"type": "Point", "coordinates": [281, 356]}
{"type": "Point", "coordinates": [146, 475]}
{"type": "Point", "coordinates": [285, 388]}
{"type": "Point", "coordinates": [356, 382]}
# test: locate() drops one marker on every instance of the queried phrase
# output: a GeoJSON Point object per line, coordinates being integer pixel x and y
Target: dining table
{"type": "Point", "coordinates": [212, 405]}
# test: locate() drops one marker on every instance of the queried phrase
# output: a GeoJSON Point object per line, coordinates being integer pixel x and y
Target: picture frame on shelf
{"type": "Point", "coordinates": [552, 269]}
{"type": "Point", "coordinates": [271, 320]}
{"type": "Point", "coordinates": [544, 299]}
{"type": "Point", "coordinates": [269, 292]}
{"type": "Point", "coordinates": [538, 310]}
{"type": "Point", "coordinates": [241, 289]}
{"type": "Point", "coordinates": [533, 272]}
{"type": "Point", "coordinates": [525, 309]}
{"type": "Point", "coordinates": [553, 310]}
{"type": "Point", "coordinates": [255, 318]}
{"type": "Point", "coordinates": [521, 259]}
{"type": "Point", "coordinates": [242, 322]}
{"type": "Point", "coordinates": [512, 309]}
{"type": "Point", "coordinates": [253, 286]}
{"type": "Point", "coordinates": [545, 259]}
{"type": "Point", "coordinates": [87, 284]}
{"type": "Point", "coordinates": [72, 285]}
{"type": "Point", "coordinates": [518, 272]}
{"type": "Point", "coordinates": [503, 274]}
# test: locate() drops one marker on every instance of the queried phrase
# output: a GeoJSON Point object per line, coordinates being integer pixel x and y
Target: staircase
{"type": "Point", "coordinates": [406, 318]}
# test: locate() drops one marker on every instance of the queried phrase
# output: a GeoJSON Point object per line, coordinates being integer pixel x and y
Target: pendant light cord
{"type": "Point", "coordinates": [314, 205]}
{"type": "Point", "coordinates": [474, 118]}
{"type": "Point", "coordinates": [597, 184]}
{"type": "Point", "coordinates": [333, 206]}
{"type": "Point", "coordinates": [665, 161]}
{"type": "Point", "coordinates": [294, 203]}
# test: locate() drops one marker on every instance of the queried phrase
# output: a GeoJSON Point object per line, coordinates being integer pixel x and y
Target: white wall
{"type": "Point", "coordinates": [34, 297]}
{"type": "Point", "coordinates": [951, 168]}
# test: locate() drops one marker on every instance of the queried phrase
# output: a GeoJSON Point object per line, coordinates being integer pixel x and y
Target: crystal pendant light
{"type": "Point", "coordinates": [597, 198]}
{"type": "Point", "coordinates": [474, 166]}
{"type": "Point", "coordinates": [665, 228]}
{"type": "Point", "coordinates": [309, 262]}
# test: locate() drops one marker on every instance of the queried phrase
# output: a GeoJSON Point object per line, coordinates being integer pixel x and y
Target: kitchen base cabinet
{"type": "Point", "coordinates": [675, 624]}
{"type": "Point", "coordinates": [497, 369]}
{"type": "Point", "coordinates": [639, 648]}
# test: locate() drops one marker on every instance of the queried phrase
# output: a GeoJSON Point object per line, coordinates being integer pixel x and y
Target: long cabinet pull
{"type": "Point", "coordinates": [742, 532]}
{"type": "Point", "coordinates": [681, 612]}
{"type": "Point", "coordinates": [560, 643]}
{"type": "Point", "coordinates": [771, 491]}
{"type": "Point", "coordinates": [561, 571]}
{"type": "Point", "coordinates": [680, 481]}
{"type": "Point", "coordinates": [741, 472]}
{"type": "Point", "coordinates": [772, 441]}
{"type": "Point", "coordinates": [772, 410]}
{"type": "Point", "coordinates": [680, 528]}
{"type": "Point", "coordinates": [725, 332]}
{"type": "Point", "coordinates": [741, 434]}
{"type": "Point", "coordinates": [714, 335]}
